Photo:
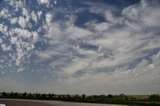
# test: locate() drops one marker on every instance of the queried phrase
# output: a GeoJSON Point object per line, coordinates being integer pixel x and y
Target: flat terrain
{"type": "Point", "coordinates": [17, 102]}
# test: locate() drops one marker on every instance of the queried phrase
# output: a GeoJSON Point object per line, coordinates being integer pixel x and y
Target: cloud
{"type": "Point", "coordinates": [34, 16]}
{"type": "Point", "coordinates": [118, 46]}
{"type": "Point", "coordinates": [22, 32]}
{"type": "Point", "coordinates": [123, 45]}
{"type": "Point", "coordinates": [4, 13]}
{"type": "Point", "coordinates": [19, 40]}
{"type": "Point", "coordinates": [39, 13]}
{"type": "Point", "coordinates": [23, 47]}
{"type": "Point", "coordinates": [143, 79]}
{"type": "Point", "coordinates": [5, 48]}
{"type": "Point", "coordinates": [54, 31]}
{"type": "Point", "coordinates": [13, 20]}
{"type": "Point", "coordinates": [14, 40]}
{"type": "Point", "coordinates": [43, 1]}
{"type": "Point", "coordinates": [100, 27]}
{"type": "Point", "coordinates": [97, 57]}
{"type": "Point", "coordinates": [22, 22]}
{"type": "Point", "coordinates": [75, 32]}
{"type": "Point", "coordinates": [3, 29]}
{"type": "Point", "coordinates": [75, 66]}
{"type": "Point", "coordinates": [48, 18]}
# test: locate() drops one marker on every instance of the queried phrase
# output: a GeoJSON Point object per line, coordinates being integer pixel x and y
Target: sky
{"type": "Point", "coordinates": [80, 47]}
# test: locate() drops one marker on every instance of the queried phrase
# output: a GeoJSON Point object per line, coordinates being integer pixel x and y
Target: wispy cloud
{"type": "Point", "coordinates": [124, 45]}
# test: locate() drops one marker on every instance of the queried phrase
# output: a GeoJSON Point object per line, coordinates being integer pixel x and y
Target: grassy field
{"type": "Point", "coordinates": [140, 97]}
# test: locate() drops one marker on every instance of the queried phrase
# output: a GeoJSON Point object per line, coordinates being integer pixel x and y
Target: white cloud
{"type": "Point", "coordinates": [4, 13]}
{"type": "Point", "coordinates": [75, 32]}
{"type": "Point", "coordinates": [121, 44]}
{"type": "Point", "coordinates": [5, 47]}
{"type": "Point", "coordinates": [145, 14]}
{"type": "Point", "coordinates": [3, 29]}
{"type": "Point", "coordinates": [115, 43]}
{"type": "Point", "coordinates": [132, 12]}
{"type": "Point", "coordinates": [39, 13]}
{"type": "Point", "coordinates": [102, 26]}
{"type": "Point", "coordinates": [55, 1]}
{"type": "Point", "coordinates": [13, 20]}
{"type": "Point", "coordinates": [48, 18]}
{"type": "Point", "coordinates": [54, 31]}
{"type": "Point", "coordinates": [35, 36]}
{"type": "Point", "coordinates": [22, 22]}
{"type": "Point", "coordinates": [43, 1]}
{"type": "Point", "coordinates": [22, 32]}
{"type": "Point", "coordinates": [141, 80]}
{"type": "Point", "coordinates": [45, 54]}
{"type": "Point", "coordinates": [14, 40]}
{"type": "Point", "coordinates": [109, 17]}
{"type": "Point", "coordinates": [76, 65]}
{"type": "Point", "coordinates": [131, 41]}
{"type": "Point", "coordinates": [17, 37]}
{"type": "Point", "coordinates": [21, 39]}
{"type": "Point", "coordinates": [26, 14]}
{"type": "Point", "coordinates": [34, 16]}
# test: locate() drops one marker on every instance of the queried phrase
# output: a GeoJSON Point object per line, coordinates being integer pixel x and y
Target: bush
{"type": "Point", "coordinates": [154, 97]}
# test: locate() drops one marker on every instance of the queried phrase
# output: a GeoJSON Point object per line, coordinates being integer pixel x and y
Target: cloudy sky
{"type": "Point", "coordinates": [86, 46]}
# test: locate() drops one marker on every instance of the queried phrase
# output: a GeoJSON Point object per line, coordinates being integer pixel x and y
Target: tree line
{"type": "Point", "coordinates": [117, 99]}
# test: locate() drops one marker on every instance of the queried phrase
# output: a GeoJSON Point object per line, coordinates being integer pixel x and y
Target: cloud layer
{"type": "Point", "coordinates": [108, 52]}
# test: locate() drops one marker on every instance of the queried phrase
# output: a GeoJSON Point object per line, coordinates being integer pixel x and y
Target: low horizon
{"type": "Point", "coordinates": [80, 47]}
{"type": "Point", "coordinates": [78, 94]}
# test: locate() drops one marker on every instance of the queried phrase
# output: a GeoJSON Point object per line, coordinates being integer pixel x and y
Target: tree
{"type": "Point", "coordinates": [24, 95]}
{"type": "Point", "coordinates": [123, 97]}
{"type": "Point", "coordinates": [50, 96]}
{"type": "Point", "coordinates": [4, 94]}
{"type": "Point", "coordinates": [110, 96]}
{"type": "Point", "coordinates": [15, 95]}
{"type": "Point", "coordinates": [38, 96]}
{"type": "Point", "coordinates": [43, 96]}
{"type": "Point", "coordinates": [154, 97]}
{"type": "Point", "coordinates": [83, 96]}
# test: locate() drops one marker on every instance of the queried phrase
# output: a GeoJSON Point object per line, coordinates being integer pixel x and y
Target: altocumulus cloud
{"type": "Point", "coordinates": [116, 50]}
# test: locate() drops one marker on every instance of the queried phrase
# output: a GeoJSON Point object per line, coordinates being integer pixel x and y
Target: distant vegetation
{"type": "Point", "coordinates": [151, 100]}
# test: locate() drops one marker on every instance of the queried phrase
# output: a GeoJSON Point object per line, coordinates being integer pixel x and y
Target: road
{"type": "Point", "coordinates": [19, 102]}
